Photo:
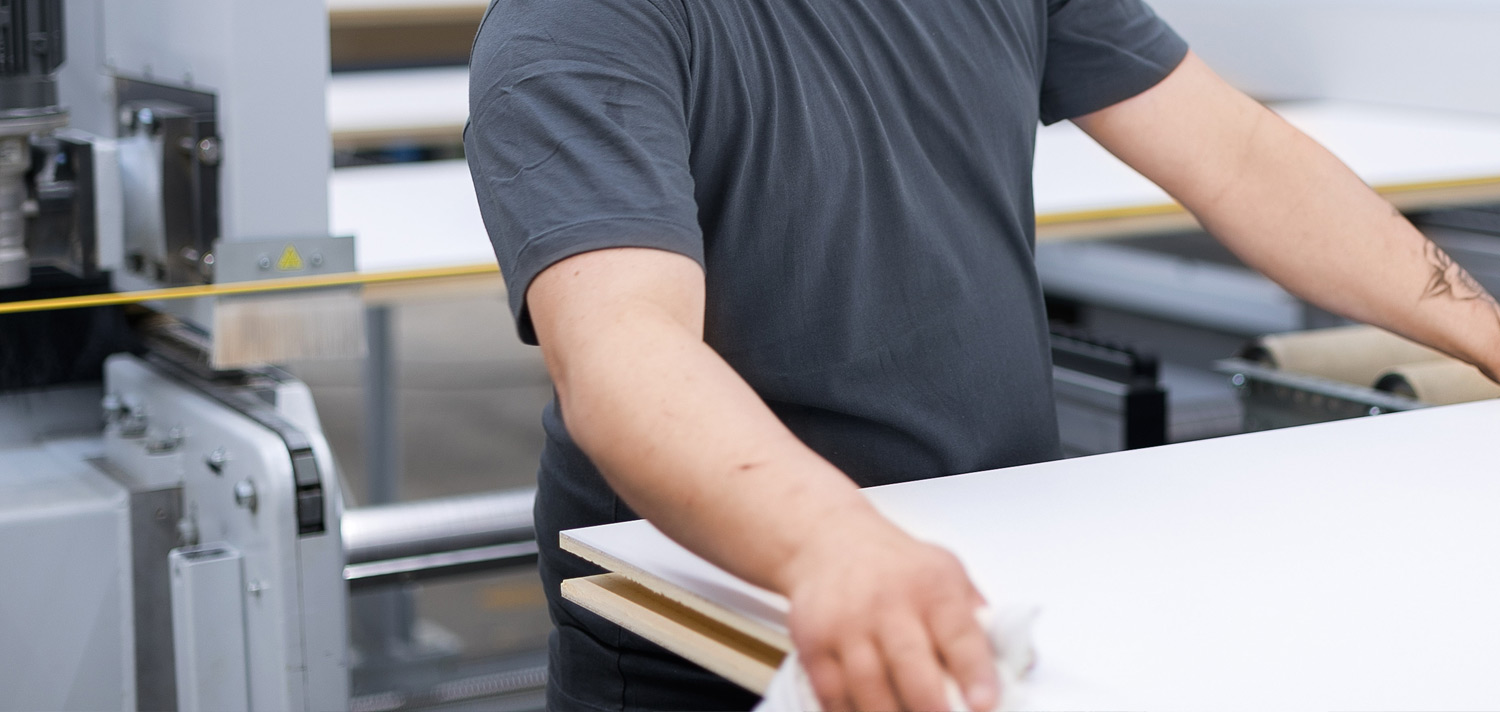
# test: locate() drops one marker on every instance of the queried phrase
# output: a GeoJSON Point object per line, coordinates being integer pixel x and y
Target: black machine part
{"type": "Point", "coordinates": [31, 50]}
{"type": "Point", "coordinates": [1097, 382]}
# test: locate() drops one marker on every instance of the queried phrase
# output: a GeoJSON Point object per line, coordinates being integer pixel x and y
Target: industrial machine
{"type": "Point", "coordinates": [174, 536]}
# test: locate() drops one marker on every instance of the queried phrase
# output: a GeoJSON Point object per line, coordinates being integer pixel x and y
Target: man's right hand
{"type": "Point", "coordinates": [881, 619]}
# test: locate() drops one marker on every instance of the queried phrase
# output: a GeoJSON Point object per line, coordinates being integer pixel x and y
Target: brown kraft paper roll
{"type": "Point", "coordinates": [1352, 354]}
{"type": "Point", "coordinates": [1439, 382]}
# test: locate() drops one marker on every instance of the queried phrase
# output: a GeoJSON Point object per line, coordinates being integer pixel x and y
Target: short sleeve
{"type": "Point", "coordinates": [577, 137]}
{"type": "Point", "coordinates": [1102, 52]}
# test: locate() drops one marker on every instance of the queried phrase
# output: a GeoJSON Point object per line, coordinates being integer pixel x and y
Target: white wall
{"type": "Point", "coordinates": [1426, 53]}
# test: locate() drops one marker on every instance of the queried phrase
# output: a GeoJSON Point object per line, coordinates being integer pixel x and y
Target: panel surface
{"type": "Point", "coordinates": [1348, 565]}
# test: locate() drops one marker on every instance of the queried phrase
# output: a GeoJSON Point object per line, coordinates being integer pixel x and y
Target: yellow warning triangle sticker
{"type": "Point", "coordinates": [290, 261]}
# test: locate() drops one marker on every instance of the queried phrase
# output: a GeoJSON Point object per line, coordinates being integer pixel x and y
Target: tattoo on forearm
{"type": "Point", "coordinates": [1452, 281]}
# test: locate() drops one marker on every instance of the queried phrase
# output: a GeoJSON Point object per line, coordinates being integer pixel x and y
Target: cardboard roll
{"type": "Point", "coordinates": [1357, 355]}
{"type": "Point", "coordinates": [1443, 382]}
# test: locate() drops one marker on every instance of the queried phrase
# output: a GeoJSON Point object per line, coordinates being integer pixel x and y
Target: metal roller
{"type": "Point", "coordinates": [412, 541]}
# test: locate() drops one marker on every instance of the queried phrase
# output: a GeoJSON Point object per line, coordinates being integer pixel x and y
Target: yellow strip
{"type": "Point", "coordinates": [1134, 211]}
{"type": "Point", "coordinates": [1141, 211]}
{"type": "Point", "coordinates": [343, 279]}
{"type": "Point", "coordinates": [357, 278]}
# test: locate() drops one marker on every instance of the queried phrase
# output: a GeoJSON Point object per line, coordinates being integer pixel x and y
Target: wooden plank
{"type": "Point", "coordinates": [367, 33]}
{"type": "Point", "coordinates": [402, 13]}
{"type": "Point", "coordinates": [739, 658]}
{"type": "Point", "coordinates": [689, 600]}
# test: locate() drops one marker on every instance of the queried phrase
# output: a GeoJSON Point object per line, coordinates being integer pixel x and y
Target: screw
{"type": "Point", "coordinates": [167, 443]}
{"type": "Point", "coordinates": [217, 460]}
{"type": "Point", "coordinates": [14, 153]}
{"type": "Point", "coordinates": [112, 407]}
{"type": "Point", "coordinates": [1238, 380]}
{"type": "Point", "coordinates": [315, 259]}
{"type": "Point", "coordinates": [146, 118]}
{"type": "Point", "coordinates": [132, 421]}
{"type": "Point", "coordinates": [244, 495]}
{"type": "Point", "coordinates": [208, 151]}
{"type": "Point", "coordinates": [187, 531]}
{"type": "Point", "coordinates": [1376, 410]}
{"type": "Point", "coordinates": [264, 262]}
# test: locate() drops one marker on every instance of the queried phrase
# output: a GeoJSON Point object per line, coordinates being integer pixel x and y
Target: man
{"type": "Point", "coordinates": [775, 249]}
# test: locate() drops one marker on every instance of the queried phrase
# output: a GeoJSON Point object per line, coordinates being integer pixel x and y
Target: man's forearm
{"type": "Point", "coordinates": [688, 444]}
{"type": "Point", "coordinates": [1290, 209]}
{"type": "Point", "coordinates": [1304, 219]}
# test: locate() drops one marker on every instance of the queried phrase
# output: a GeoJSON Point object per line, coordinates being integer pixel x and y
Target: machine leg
{"type": "Point", "coordinates": [385, 618]}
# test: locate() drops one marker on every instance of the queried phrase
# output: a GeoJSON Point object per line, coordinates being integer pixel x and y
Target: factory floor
{"type": "Point", "coordinates": [469, 402]}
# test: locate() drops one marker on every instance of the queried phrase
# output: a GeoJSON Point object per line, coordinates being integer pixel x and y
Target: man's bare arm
{"type": "Point", "coordinates": [1290, 209]}
{"type": "Point", "coordinates": [688, 444]}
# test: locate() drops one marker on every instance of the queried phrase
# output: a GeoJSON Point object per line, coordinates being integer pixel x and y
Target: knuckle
{"type": "Point", "coordinates": [867, 678]}
{"type": "Point", "coordinates": [827, 682]}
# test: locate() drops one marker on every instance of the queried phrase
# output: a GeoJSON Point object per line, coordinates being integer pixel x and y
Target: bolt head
{"type": "Point", "coordinates": [217, 459]}
{"type": "Point", "coordinates": [187, 531]}
{"type": "Point", "coordinates": [208, 151]}
{"type": "Point", "coordinates": [244, 494]}
{"type": "Point", "coordinates": [15, 153]}
{"type": "Point", "coordinates": [263, 262]}
{"type": "Point", "coordinates": [112, 406]}
{"type": "Point", "coordinates": [132, 424]}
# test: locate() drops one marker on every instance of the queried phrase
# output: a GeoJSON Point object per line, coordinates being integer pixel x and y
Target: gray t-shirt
{"type": "Point", "coordinates": [854, 176]}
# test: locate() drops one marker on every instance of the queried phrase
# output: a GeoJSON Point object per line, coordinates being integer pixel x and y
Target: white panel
{"type": "Point", "coordinates": [1349, 565]}
{"type": "Point", "coordinates": [398, 100]}
{"type": "Point", "coordinates": [1385, 146]}
{"type": "Point", "coordinates": [409, 215]}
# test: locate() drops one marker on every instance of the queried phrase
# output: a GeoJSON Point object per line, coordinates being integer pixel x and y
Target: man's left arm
{"type": "Point", "coordinates": [1289, 208]}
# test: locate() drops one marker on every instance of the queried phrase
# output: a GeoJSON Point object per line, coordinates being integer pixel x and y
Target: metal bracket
{"type": "Point", "coordinates": [171, 150]}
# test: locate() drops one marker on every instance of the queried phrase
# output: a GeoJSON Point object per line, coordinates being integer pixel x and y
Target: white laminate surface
{"type": "Point", "coordinates": [1385, 146]}
{"type": "Point", "coordinates": [1350, 565]}
{"type": "Point", "coordinates": [398, 100]}
{"type": "Point", "coordinates": [409, 215]}
{"type": "Point", "coordinates": [423, 214]}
